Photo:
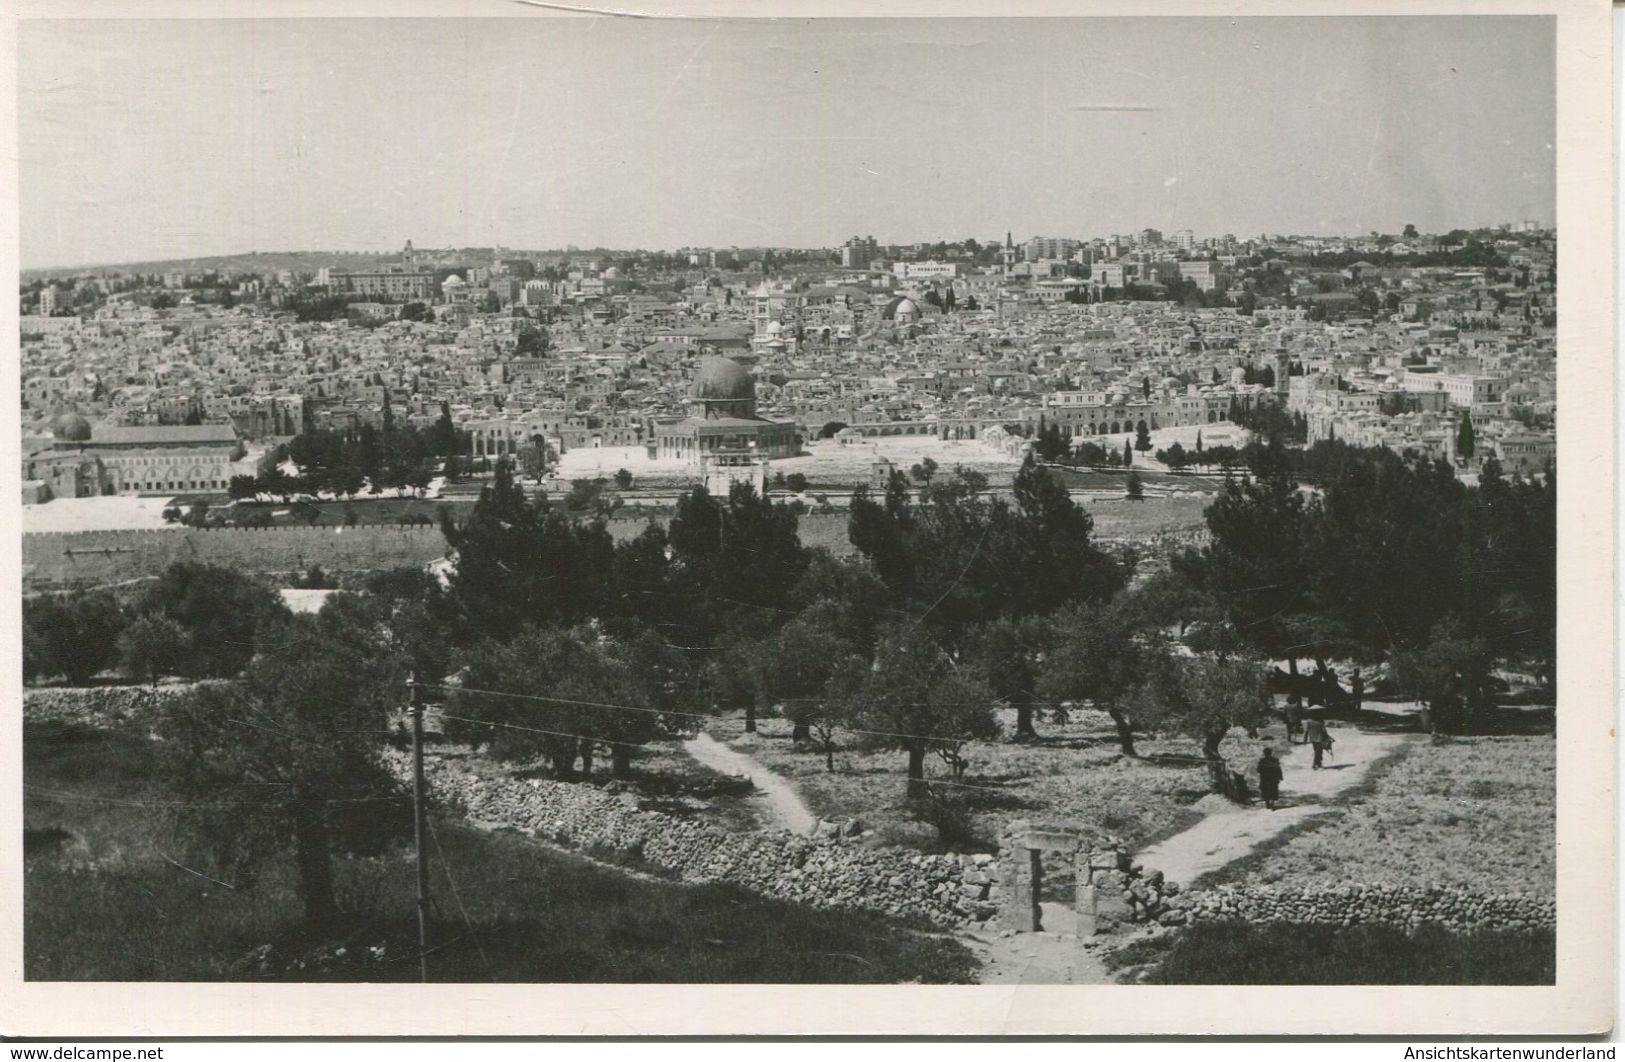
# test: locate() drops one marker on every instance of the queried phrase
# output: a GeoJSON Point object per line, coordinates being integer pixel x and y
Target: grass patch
{"type": "Point", "coordinates": [1476, 811]}
{"type": "Point", "coordinates": [1243, 954]}
{"type": "Point", "coordinates": [102, 902]}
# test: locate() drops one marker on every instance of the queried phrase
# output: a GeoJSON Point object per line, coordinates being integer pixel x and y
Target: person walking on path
{"type": "Point", "coordinates": [1357, 685]}
{"type": "Point", "coordinates": [1269, 778]}
{"type": "Point", "coordinates": [1294, 719]}
{"type": "Point", "coordinates": [1319, 738]}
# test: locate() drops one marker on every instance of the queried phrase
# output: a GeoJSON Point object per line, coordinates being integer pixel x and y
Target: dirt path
{"type": "Point", "coordinates": [1053, 957]}
{"type": "Point", "coordinates": [786, 808]}
{"type": "Point", "coordinates": [1231, 832]}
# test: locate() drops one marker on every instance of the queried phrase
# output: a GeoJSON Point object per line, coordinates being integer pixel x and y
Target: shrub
{"type": "Point", "coordinates": [949, 815]}
{"type": "Point", "coordinates": [71, 635]}
{"type": "Point", "coordinates": [151, 647]}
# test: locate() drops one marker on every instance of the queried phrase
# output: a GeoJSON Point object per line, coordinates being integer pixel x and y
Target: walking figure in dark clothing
{"type": "Point", "coordinates": [1319, 738]}
{"type": "Point", "coordinates": [1294, 719]}
{"type": "Point", "coordinates": [1269, 778]}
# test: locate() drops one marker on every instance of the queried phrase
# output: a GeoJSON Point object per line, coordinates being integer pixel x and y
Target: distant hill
{"type": "Point", "coordinates": [259, 262]}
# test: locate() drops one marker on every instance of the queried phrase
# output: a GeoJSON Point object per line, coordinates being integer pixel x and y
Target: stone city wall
{"type": "Point", "coordinates": [54, 560]}
{"type": "Point", "coordinates": [92, 558]}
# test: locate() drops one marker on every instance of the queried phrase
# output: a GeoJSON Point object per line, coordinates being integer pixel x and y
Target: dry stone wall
{"type": "Point", "coordinates": [99, 706]}
{"type": "Point", "coordinates": [1403, 906]}
{"type": "Point", "coordinates": [948, 890]}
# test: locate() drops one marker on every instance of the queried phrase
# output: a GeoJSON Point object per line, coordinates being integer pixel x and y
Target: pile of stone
{"type": "Point", "coordinates": [1145, 895]}
{"type": "Point", "coordinates": [99, 706]}
{"type": "Point", "coordinates": [819, 871]}
{"type": "Point", "coordinates": [1406, 907]}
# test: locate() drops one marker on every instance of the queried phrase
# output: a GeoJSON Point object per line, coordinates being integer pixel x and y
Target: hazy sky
{"type": "Point", "coordinates": [162, 139]}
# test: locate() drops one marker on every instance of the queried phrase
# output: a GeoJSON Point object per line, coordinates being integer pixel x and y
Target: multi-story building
{"type": "Point", "coordinates": [1084, 413]}
{"type": "Point", "coordinates": [1466, 390]}
{"type": "Point", "coordinates": [924, 270]}
{"type": "Point", "coordinates": [858, 252]}
{"type": "Point", "coordinates": [1048, 247]}
{"type": "Point", "coordinates": [1209, 276]}
{"type": "Point", "coordinates": [1525, 452]}
{"type": "Point", "coordinates": [85, 461]}
{"type": "Point", "coordinates": [394, 284]}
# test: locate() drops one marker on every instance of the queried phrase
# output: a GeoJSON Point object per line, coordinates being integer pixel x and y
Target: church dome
{"type": "Point", "coordinates": [70, 427]}
{"type": "Point", "coordinates": [722, 379]}
{"type": "Point", "coordinates": [901, 306]}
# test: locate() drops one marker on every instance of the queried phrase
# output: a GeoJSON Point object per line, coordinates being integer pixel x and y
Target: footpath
{"type": "Point", "coordinates": [786, 808]}
{"type": "Point", "coordinates": [1231, 831]}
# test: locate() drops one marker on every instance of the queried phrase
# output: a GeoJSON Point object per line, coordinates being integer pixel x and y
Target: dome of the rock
{"type": "Point", "coordinates": [722, 379]}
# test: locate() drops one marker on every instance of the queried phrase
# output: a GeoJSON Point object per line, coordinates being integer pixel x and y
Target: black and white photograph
{"type": "Point", "coordinates": [585, 498]}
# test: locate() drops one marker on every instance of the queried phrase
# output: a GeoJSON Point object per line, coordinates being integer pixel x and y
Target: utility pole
{"type": "Point", "coordinates": [419, 820]}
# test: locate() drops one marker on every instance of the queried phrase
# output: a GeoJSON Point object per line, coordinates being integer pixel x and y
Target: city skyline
{"type": "Point", "coordinates": [833, 246]}
{"type": "Point", "coordinates": [253, 136]}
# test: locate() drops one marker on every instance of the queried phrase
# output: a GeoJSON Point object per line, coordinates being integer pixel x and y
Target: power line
{"type": "Point", "coordinates": [711, 715]}
{"type": "Point", "coordinates": [690, 715]}
{"type": "Point", "coordinates": [551, 733]}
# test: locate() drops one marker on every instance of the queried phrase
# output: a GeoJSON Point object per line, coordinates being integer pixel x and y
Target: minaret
{"type": "Point", "coordinates": [411, 255]}
{"type": "Point", "coordinates": [1009, 253]}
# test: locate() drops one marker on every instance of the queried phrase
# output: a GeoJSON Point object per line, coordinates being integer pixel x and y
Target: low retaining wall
{"type": "Point", "coordinates": [1402, 906]}
{"type": "Point", "coordinates": [98, 706]}
{"type": "Point", "coordinates": [948, 890]}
